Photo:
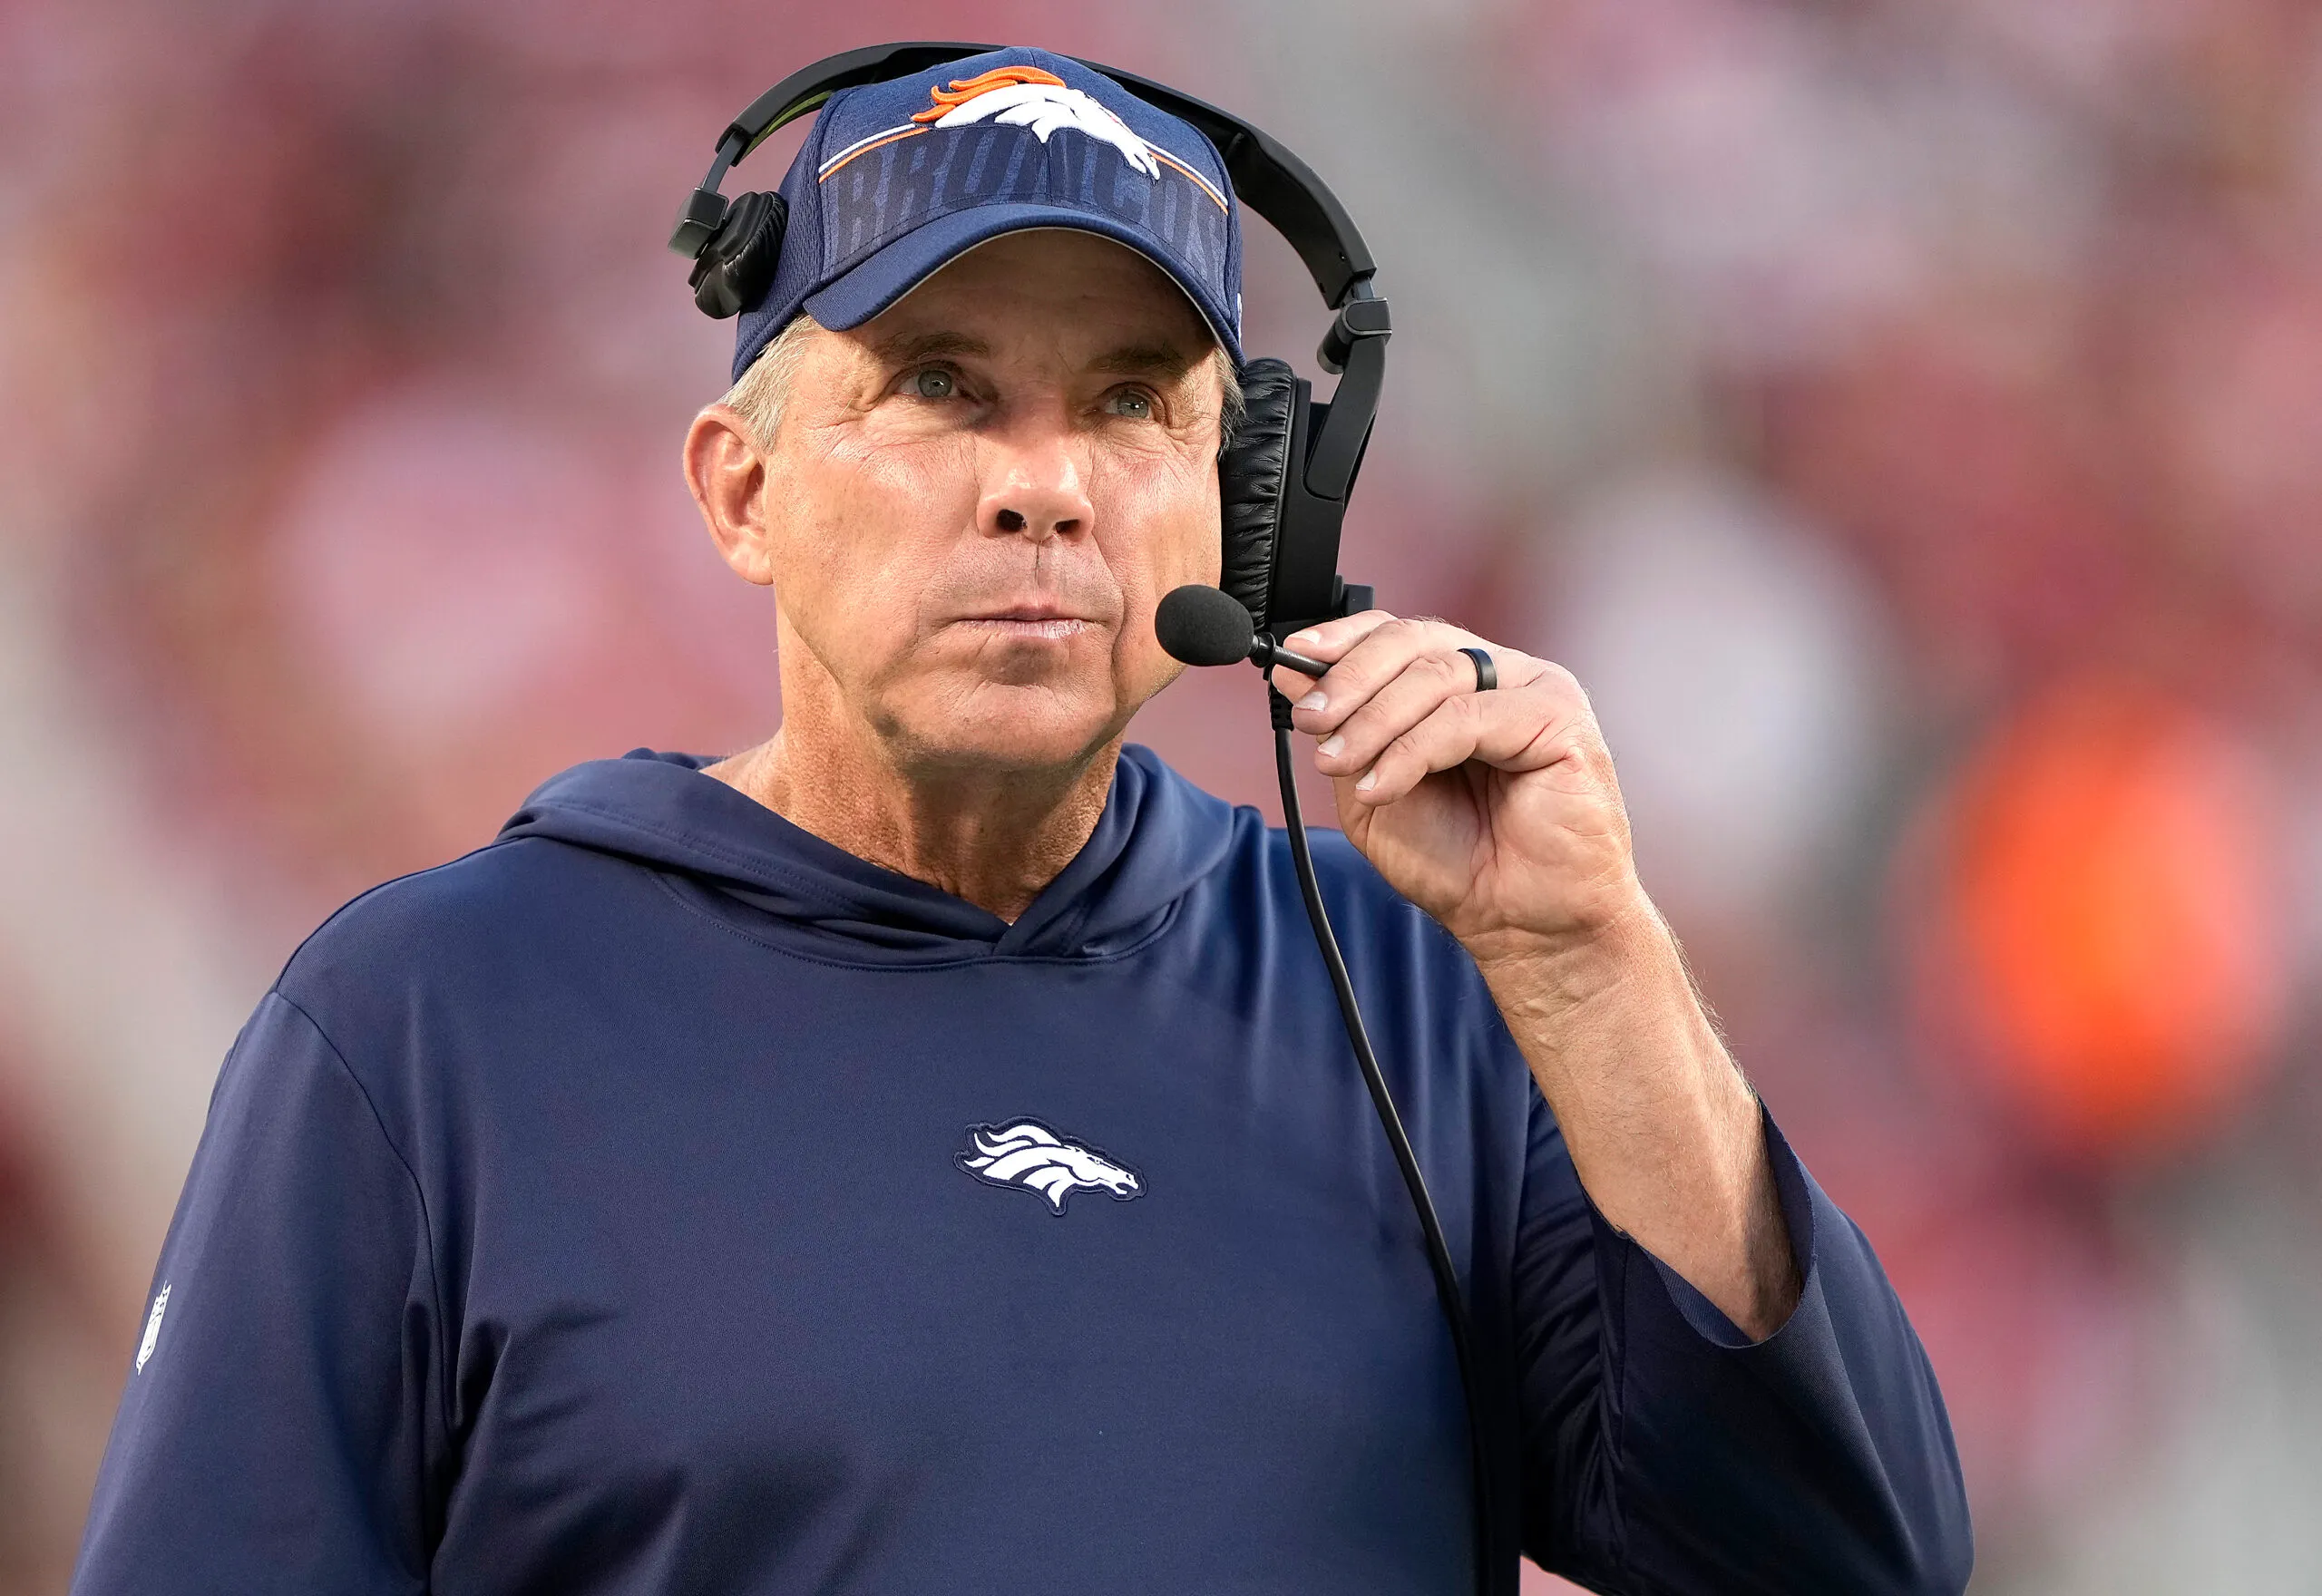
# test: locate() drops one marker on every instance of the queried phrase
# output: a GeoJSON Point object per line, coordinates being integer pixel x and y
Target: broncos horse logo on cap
{"type": "Point", "coordinates": [1026, 1155]}
{"type": "Point", "coordinates": [1029, 97]}
{"type": "Point", "coordinates": [1035, 100]}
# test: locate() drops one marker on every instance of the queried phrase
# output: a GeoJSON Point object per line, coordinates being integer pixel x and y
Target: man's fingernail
{"type": "Point", "coordinates": [1331, 747]}
{"type": "Point", "coordinates": [1313, 700]}
{"type": "Point", "coordinates": [1304, 639]}
{"type": "Point", "coordinates": [1370, 780]}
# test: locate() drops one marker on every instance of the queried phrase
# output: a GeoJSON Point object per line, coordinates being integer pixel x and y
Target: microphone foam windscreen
{"type": "Point", "coordinates": [1203, 625]}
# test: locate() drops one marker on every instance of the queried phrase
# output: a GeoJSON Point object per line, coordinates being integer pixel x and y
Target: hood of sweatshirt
{"type": "Point", "coordinates": [1158, 836]}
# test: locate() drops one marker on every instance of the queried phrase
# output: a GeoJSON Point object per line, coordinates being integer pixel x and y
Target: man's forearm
{"type": "Point", "coordinates": [1664, 1133]}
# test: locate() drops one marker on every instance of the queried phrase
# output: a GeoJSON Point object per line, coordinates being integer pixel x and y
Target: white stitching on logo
{"type": "Point", "coordinates": [1044, 108]}
{"type": "Point", "coordinates": [1026, 1155]}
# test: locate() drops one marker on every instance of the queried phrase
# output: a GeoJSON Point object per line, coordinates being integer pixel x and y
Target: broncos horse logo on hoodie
{"type": "Point", "coordinates": [1028, 1155]}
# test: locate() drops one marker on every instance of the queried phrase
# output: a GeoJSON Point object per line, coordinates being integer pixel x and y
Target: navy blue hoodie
{"type": "Point", "coordinates": [662, 1200]}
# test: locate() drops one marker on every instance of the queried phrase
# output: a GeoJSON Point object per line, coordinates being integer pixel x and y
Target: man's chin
{"type": "Point", "coordinates": [1007, 729]}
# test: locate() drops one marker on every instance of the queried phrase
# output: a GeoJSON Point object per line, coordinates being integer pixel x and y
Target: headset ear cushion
{"type": "Point", "coordinates": [737, 268]}
{"type": "Point", "coordinates": [1250, 477]}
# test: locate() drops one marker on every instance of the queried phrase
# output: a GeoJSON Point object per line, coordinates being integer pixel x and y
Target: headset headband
{"type": "Point", "coordinates": [1270, 180]}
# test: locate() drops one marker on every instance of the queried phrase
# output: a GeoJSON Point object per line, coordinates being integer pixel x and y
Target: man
{"type": "Point", "coordinates": [921, 1153]}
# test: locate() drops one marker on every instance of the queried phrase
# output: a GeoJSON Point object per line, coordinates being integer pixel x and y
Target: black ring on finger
{"type": "Point", "coordinates": [1486, 674]}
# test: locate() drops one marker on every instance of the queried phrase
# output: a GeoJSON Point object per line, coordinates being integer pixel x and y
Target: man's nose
{"type": "Point", "coordinates": [1036, 489]}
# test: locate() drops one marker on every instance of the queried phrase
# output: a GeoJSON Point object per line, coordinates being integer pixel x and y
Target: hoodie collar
{"type": "Point", "coordinates": [1157, 835]}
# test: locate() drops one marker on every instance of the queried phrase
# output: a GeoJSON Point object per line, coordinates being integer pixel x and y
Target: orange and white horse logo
{"type": "Point", "coordinates": [1028, 97]}
{"type": "Point", "coordinates": [1037, 101]}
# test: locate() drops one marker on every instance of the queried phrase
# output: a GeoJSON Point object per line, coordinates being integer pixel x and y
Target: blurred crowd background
{"type": "Point", "coordinates": [1904, 415]}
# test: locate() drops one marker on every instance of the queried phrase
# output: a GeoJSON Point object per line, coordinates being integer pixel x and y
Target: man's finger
{"type": "Point", "coordinates": [1525, 728]}
{"type": "Point", "coordinates": [1327, 640]}
{"type": "Point", "coordinates": [1327, 643]}
{"type": "Point", "coordinates": [1414, 694]}
{"type": "Point", "coordinates": [1382, 653]}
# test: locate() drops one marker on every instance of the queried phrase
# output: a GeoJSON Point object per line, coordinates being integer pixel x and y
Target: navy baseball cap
{"type": "Point", "coordinates": [896, 179]}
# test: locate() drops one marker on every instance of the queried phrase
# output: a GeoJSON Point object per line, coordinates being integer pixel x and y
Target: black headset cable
{"type": "Point", "coordinates": [1438, 1253]}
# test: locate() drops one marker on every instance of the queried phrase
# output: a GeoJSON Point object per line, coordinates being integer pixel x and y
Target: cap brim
{"type": "Point", "coordinates": [870, 287]}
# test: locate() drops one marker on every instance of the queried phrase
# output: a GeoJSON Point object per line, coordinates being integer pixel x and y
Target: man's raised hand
{"type": "Point", "coordinates": [1496, 812]}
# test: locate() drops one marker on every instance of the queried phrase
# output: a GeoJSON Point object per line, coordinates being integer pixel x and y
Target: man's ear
{"type": "Point", "coordinates": [728, 474]}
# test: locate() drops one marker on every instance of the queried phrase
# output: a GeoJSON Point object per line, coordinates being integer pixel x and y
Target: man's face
{"type": "Point", "coordinates": [975, 500]}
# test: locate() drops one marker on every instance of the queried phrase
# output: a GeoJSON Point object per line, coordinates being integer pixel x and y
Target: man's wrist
{"type": "Point", "coordinates": [1612, 1024]}
{"type": "Point", "coordinates": [1579, 966]}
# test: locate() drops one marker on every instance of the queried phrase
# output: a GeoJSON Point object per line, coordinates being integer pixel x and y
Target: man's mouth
{"type": "Point", "coordinates": [1028, 621]}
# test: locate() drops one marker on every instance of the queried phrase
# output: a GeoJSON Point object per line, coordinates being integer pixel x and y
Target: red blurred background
{"type": "Point", "coordinates": [1906, 418]}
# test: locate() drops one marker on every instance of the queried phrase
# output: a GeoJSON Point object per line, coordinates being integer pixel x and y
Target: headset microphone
{"type": "Point", "coordinates": [1207, 626]}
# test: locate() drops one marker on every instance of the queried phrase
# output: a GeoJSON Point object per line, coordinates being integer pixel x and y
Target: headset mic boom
{"type": "Point", "coordinates": [1203, 625]}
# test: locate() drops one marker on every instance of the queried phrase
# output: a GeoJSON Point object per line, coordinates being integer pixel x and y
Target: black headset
{"type": "Point", "coordinates": [1286, 475]}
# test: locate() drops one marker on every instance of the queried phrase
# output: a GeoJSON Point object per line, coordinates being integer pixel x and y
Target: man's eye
{"type": "Point", "coordinates": [1130, 402]}
{"type": "Point", "coordinates": [934, 383]}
